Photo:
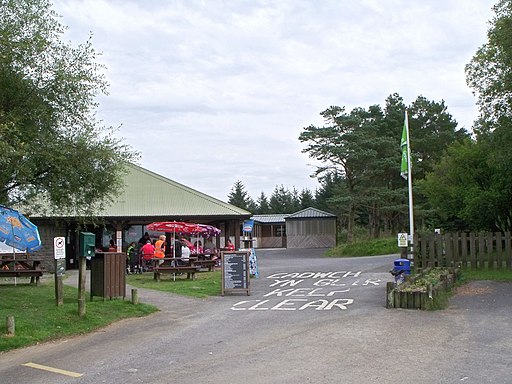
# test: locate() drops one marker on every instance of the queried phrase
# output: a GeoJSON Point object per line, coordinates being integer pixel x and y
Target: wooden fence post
{"type": "Point", "coordinates": [472, 250]}
{"type": "Point", "coordinates": [508, 253]}
{"type": "Point", "coordinates": [499, 251]}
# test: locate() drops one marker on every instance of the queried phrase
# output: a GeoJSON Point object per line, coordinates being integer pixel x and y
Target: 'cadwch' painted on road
{"type": "Point", "coordinates": [321, 293]}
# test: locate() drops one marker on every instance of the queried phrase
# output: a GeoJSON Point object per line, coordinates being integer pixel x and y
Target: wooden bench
{"type": "Point", "coordinates": [21, 268]}
{"type": "Point", "coordinates": [210, 264]}
{"type": "Point", "coordinates": [32, 273]}
{"type": "Point", "coordinates": [189, 270]}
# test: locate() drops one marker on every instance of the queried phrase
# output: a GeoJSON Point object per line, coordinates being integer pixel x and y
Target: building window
{"type": "Point", "coordinates": [279, 230]}
{"type": "Point", "coordinates": [133, 233]}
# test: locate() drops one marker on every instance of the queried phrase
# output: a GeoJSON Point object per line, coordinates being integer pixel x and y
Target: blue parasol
{"type": "Point", "coordinates": [17, 231]}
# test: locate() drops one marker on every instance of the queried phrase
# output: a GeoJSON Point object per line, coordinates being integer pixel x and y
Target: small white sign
{"type": "Point", "coordinates": [402, 239]}
{"type": "Point", "coordinates": [59, 247]}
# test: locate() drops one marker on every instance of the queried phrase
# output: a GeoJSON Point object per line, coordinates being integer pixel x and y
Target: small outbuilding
{"type": "Point", "coordinates": [308, 228]}
{"type": "Point", "coordinates": [311, 228]}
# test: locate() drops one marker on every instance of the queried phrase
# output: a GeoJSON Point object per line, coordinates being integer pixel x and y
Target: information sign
{"type": "Point", "coordinates": [402, 239]}
{"type": "Point", "coordinates": [59, 248]}
{"type": "Point", "coordinates": [235, 272]}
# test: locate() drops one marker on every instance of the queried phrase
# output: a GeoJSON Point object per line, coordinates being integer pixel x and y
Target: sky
{"type": "Point", "coordinates": [210, 92]}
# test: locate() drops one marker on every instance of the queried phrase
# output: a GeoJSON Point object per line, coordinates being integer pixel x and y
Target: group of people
{"type": "Point", "coordinates": [139, 255]}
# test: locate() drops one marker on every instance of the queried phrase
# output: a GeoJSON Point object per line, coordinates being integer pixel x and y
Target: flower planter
{"type": "Point", "coordinates": [414, 294]}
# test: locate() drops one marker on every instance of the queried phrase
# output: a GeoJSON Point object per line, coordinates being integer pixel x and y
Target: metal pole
{"type": "Point", "coordinates": [409, 182]}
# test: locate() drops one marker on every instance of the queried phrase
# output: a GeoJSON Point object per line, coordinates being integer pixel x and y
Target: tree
{"type": "Point", "coordinates": [281, 201]}
{"type": "Point", "coordinates": [462, 189]}
{"type": "Point", "coordinates": [432, 131]}
{"type": "Point", "coordinates": [359, 150]}
{"type": "Point", "coordinates": [240, 198]}
{"type": "Point", "coordinates": [294, 201]}
{"type": "Point", "coordinates": [51, 145]}
{"type": "Point", "coordinates": [471, 188]}
{"type": "Point", "coordinates": [262, 204]}
{"type": "Point", "coordinates": [306, 199]}
{"type": "Point", "coordinates": [336, 146]}
{"type": "Point", "coordinates": [489, 72]}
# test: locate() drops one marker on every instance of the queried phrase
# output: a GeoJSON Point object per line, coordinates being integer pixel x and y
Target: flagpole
{"type": "Point", "coordinates": [409, 182]}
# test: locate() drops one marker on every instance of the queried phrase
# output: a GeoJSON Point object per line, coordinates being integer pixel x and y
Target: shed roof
{"type": "Point", "coordinates": [310, 213]}
{"type": "Point", "coordinates": [270, 219]}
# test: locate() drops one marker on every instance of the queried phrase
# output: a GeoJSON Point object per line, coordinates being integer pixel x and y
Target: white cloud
{"type": "Point", "coordinates": [211, 92]}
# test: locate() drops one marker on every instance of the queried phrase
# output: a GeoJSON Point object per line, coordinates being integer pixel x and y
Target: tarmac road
{"type": "Point", "coordinates": [309, 319]}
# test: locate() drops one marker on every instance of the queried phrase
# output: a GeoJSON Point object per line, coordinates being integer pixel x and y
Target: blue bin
{"type": "Point", "coordinates": [402, 265]}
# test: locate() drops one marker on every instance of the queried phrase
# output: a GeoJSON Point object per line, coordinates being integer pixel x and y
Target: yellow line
{"type": "Point", "coordinates": [55, 370]}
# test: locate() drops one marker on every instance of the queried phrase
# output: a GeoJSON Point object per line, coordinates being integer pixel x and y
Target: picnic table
{"type": "Point", "coordinates": [174, 265]}
{"type": "Point", "coordinates": [205, 260]}
{"type": "Point", "coordinates": [18, 267]}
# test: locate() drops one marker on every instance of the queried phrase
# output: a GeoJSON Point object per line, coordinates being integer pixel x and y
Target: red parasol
{"type": "Point", "coordinates": [183, 228]}
{"type": "Point", "coordinates": [170, 226]}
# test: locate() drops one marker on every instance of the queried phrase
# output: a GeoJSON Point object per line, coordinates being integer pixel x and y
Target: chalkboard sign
{"type": "Point", "coordinates": [235, 272]}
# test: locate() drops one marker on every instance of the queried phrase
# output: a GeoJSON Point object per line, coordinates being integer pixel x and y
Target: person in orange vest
{"type": "Point", "coordinates": [160, 249]}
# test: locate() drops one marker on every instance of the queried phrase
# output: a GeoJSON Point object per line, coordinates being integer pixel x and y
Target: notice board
{"type": "Point", "coordinates": [235, 272]}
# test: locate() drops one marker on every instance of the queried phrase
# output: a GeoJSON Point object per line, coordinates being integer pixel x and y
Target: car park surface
{"type": "Point", "coordinates": [308, 319]}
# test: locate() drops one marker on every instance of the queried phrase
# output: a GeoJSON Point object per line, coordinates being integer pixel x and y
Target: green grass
{"type": "Point", "coordinates": [205, 283]}
{"type": "Point", "coordinates": [38, 318]}
{"type": "Point", "coordinates": [367, 247]}
{"type": "Point", "coordinates": [496, 275]}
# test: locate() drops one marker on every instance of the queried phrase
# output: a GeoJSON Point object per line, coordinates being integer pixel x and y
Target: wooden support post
{"type": "Point", "coordinates": [81, 286]}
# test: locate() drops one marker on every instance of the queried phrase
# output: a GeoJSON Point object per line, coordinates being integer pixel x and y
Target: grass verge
{"type": "Point", "coordinates": [496, 275]}
{"type": "Point", "coordinates": [370, 247]}
{"type": "Point", "coordinates": [205, 284]}
{"type": "Point", "coordinates": [38, 318]}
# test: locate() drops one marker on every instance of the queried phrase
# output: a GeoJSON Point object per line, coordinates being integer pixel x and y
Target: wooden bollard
{"type": "Point", "coordinates": [11, 329]}
{"type": "Point", "coordinates": [135, 296]}
{"type": "Point", "coordinates": [390, 298]}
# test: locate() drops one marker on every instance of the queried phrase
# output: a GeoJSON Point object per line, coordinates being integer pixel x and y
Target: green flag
{"type": "Point", "coordinates": [404, 167]}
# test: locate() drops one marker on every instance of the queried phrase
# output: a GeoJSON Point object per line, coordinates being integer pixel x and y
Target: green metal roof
{"type": "Point", "coordinates": [149, 194]}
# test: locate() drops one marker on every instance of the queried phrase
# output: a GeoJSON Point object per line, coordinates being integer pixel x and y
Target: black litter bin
{"type": "Point", "coordinates": [108, 275]}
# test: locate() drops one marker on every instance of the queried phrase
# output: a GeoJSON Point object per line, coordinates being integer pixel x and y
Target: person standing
{"type": "Point", "coordinates": [160, 249]}
{"type": "Point", "coordinates": [185, 252]}
{"type": "Point", "coordinates": [143, 240]}
{"type": "Point", "coordinates": [132, 260]}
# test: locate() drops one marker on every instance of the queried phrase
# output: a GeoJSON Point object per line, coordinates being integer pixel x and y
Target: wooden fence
{"type": "Point", "coordinates": [467, 250]}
